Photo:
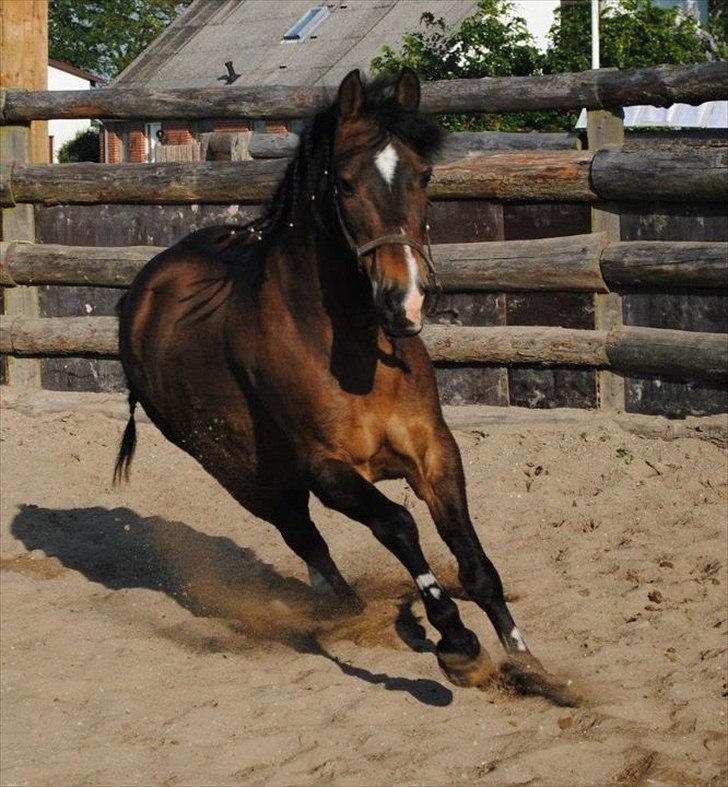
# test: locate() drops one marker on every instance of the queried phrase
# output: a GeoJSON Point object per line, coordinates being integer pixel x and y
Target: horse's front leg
{"type": "Point", "coordinates": [342, 488]}
{"type": "Point", "coordinates": [441, 483]}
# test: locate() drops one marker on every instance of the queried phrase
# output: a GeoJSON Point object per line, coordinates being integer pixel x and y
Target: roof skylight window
{"type": "Point", "coordinates": [307, 23]}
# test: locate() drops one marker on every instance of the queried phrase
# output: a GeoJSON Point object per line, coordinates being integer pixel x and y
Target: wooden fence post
{"type": "Point", "coordinates": [605, 129]}
{"type": "Point", "coordinates": [24, 65]}
{"type": "Point", "coordinates": [18, 224]}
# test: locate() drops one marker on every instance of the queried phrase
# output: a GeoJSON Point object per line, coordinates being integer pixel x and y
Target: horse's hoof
{"type": "Point", "coordinates": [347, 606]}
{"type": "Point", "coordinates": [464, 671]}
{"type": "Point", "coordinates": [525, 674]}
{"type": "Point", "coordinates": [526, 661]}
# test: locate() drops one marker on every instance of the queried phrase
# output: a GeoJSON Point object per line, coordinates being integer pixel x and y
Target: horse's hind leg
{"type": "Point", "coordinates": [340, 487]}
{"type": "Point", "coordinates": [292, 520]}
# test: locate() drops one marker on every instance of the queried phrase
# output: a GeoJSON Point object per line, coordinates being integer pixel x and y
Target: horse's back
{"type": "Point", "coordinates": [175, 356]}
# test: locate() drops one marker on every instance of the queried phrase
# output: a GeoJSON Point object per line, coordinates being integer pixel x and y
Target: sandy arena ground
{"type": "Point", "coordinates": [159, 635]}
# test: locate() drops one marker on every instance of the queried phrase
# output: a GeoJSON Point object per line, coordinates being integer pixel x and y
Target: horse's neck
{"type": "Point", "coordinates": [318, 271]}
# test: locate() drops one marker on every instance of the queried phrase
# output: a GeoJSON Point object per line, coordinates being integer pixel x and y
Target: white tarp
{"type": "Point", "coordinates": [711, 114]}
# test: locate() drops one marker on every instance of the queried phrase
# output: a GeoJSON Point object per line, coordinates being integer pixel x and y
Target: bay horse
{"type": "Point", "coordinates": [283, 356]}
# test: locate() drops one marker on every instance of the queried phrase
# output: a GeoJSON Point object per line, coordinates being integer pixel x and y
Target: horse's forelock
{"type": "Point", "coordinates": [307, 177]}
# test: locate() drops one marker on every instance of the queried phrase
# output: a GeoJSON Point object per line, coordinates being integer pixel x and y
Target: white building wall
{"type": "Point", "coordinates": [63, 130]}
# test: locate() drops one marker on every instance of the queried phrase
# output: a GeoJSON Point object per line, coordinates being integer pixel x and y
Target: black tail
{"type": "Point", "coordinates": [128, 444]}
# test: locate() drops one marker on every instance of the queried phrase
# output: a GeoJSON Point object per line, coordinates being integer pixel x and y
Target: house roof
{"type": "Point", "coordinates": [193, 50]}
{"type": "Point", "coordinates": [61, 65]}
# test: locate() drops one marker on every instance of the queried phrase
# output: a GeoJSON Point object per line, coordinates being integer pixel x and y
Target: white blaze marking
{"type": "Point", "coordinates": [518, 639]}
{"type": "Point", "coordinates": [386, 162]}
{"type": "Point", "coordinates": [425, 581]}
{"type": "Point", "coordinates": [413, 298]}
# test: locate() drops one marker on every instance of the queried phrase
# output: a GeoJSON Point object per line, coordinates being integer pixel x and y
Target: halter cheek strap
{"type": "Point", "coordinates": [384, 240]}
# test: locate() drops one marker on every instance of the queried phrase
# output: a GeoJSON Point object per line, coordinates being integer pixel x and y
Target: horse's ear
{"type": "Point", "coordinates": [407, 90]}
{"type": "Point", "coordinates": [351, 96]}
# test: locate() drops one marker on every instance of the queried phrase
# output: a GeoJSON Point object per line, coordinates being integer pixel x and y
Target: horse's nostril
{"type": "Point", "coordinates": [390, 300]}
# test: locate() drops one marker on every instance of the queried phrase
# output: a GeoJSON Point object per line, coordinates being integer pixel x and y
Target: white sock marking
{"type": "Point", "coordinates": [516, 636]}
{"type": "Point", "coordinates": [436, 592]}
{"type": "Point", "coordinates": [425, 581]}
{"type": "Point", "coordinates": [386, 162]}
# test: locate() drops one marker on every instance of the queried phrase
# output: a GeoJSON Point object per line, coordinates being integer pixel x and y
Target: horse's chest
{"type": "Point", "coordinates": [370, 446]}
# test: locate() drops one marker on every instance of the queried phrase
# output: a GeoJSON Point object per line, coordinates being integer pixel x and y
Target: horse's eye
{"type": "Point", "coordinates": [425, 179]}
{"type": "Point", "coordinates": [346, 187]}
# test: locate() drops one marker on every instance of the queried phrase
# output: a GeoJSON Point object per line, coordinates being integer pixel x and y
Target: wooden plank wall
{"type": "Point", "coordinates": [687, 310]}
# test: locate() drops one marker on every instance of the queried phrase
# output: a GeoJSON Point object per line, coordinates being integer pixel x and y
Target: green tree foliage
{"type": "Point", "coordinates": [492, 42]}
{"type": "Point", "coordinates": [633, 34]}
{"type": "Point", "coordinates": [495, 42]}
{"type": "Point", "coordinates": [718, 27]}
{"type": "Point", "coordinates": [83, 147]}
{"type": "Point", "coordinates": [104, 36]}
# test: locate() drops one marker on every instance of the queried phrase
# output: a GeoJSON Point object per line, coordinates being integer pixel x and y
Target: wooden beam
{"type": "Point", "coordinates": [515, 344]}
{"type": "Point", "coordinates": [558, 175]}
{"type": "Point", "coordinates": [666, 264]}
{"type": "Point", "coordinates": [657, 175]}
{"type": "Point", "coordinates": [605, 131]}
{"type": "Point", "coordinates": [24, 60]}
{"type": "Point", "coordinates": [457, 144]}
{"type": "Point", "coordinates": [660, 86]}
{"type": "Point", "coordinates": [17, 223]}
{"type": "Point", "coordinates": [64, 336]}
{"type": "Point", "coordinates": [670, 353]}
{"type": "Point", "coordinates": [94, 266]}
{"type": "Point", "coordinates": [625, 348]}
{"type": "Point", "coordinates": [539, 175]}
{"type": "Point", "coordinates": [570, 263]}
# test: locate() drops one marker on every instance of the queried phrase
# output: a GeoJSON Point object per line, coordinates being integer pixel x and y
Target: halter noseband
{"type": "Point", "coordinates": [384, 240]}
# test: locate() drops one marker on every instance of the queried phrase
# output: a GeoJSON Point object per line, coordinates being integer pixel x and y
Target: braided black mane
{"type": "Point", "coordinates": [305, 191]}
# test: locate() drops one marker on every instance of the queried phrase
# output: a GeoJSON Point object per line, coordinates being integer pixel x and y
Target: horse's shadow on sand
{"type": "Point", "coordinates": [212, 577]}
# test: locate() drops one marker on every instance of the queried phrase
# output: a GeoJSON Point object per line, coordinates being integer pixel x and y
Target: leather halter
{"type": "Point", "coordinates": [384, 240]}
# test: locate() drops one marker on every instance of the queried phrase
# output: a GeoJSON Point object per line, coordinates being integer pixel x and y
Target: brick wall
{"type": "Point", "coordinates": [230, 124]}
{"type": "Point", "coordinates": [137, 144]}
{"type": "Point", "coordinates": [177, 132]}
{"type": "Point", "coordinates": [111, 146]}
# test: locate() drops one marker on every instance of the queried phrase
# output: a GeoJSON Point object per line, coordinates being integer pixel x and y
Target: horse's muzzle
{"type": "Point", "coordinates": [396, 320]}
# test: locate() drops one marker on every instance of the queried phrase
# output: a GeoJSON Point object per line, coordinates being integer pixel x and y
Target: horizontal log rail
{"type": "Point", "coordinates": [626, 348]}
{"type": "Point", "coordinates": [575, 263]}
{"type": "Point", "coordinates": [666, 264]}
{"type": "Point", "coordinates": [543, 175]}
{"type": "Point", "coordinates": [458, 144]}
{"type": "Point", "coordinates": [659, 86]}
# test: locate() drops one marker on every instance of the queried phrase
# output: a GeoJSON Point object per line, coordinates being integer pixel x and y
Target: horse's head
{"type": "Point", "coordinates": [381, 161]}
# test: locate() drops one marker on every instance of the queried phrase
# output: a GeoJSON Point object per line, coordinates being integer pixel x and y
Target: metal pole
{"type": "Point", "coordinates": [595, 33]}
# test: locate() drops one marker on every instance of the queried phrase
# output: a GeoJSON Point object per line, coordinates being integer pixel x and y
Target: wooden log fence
{"type": "Point", "coordinates": [626, 348]}
{"type": "Point", "coordinates": [457, 144]}
{"type": "Point", "coordinates": [560, 175]}
{"type": "Point", "coordinates": [575, 263]}
{"type": "Point", "coordinates": [475, 166]}
{"type": "Point", "coordinates": [659, 86]}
